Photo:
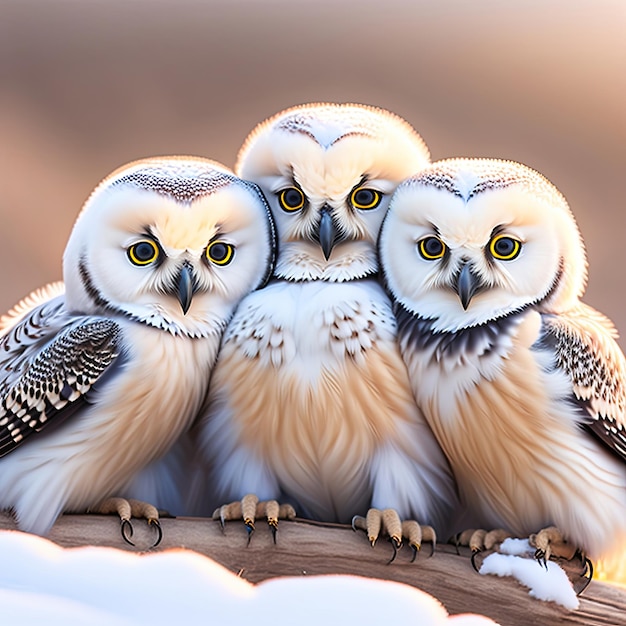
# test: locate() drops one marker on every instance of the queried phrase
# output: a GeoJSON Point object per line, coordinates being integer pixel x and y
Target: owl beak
{"type": "Point", "coordinates": [467, 284]}
{"type": "Point", "coordinates": [185, 287]}
{"type": "Point", "coordinates": [327, 232]}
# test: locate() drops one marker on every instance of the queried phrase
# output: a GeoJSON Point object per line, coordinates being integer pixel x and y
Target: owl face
{"type": "Point", "coordinates": [328, 171]}
{"type": "Point", "coordinates": [469, 240]}
{"type": "Point", "coordinates": [174, 243]}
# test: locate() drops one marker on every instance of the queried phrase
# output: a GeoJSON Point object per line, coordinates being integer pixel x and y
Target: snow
{"type": "Point", "coordinates": [514, 559]}
{"type": "Point", "coordinates": [41, 582]}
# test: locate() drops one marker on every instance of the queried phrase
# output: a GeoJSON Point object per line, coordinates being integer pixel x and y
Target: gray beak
{"type": "Point", "coordinates": [186, 287]}
{"type": "Point", "coordinates": [327, 232]}
{"type": "Point", "coordinates": [467, 284]}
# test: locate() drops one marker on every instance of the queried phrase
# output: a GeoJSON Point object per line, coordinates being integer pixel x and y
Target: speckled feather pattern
{"type": "Point", "coordinates": [326, 418]}
{"type": "Point", "coordinates": [102, 375]}
{"type": "Point", "coordinates": [585, 348]}
{"type": "Point", "coordinates": [63, 371]}
{"type": "Point", "coordinates": [515, 382]}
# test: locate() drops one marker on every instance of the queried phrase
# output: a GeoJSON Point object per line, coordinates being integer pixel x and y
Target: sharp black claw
{"type": "Point", "coordinates": [354, 519]}
{"type": "Point", "coordinates": [415, 551]}
{"type": "Point", "coordinates": [432, 549]}
{"type": "Point", "coordinates": [540, 556]}
{"type": "Point", "coordinates": [222, 524]}
{"type": "Point", "coordinates": [274, 529]}
{"type": "Point", "coordinates": [157, 525]}
{"type": "Point", "coordinates": [395, 546]}
{"type": "Point", "coordinates": [249, 530]}
{"type": "Point", "coordinates": [127, 531]}
{"type": "Point", "coordinates": [588, 570]}
{"type": "Point", "coordinates": [475, 552]}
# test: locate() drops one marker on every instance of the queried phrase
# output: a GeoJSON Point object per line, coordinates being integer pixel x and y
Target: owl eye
{"type": "Point", "coordinates": [143, 252]}
{"type": "Point", "coordinates": [291, 199]}
{"type": "Point", "coordinates": [362, 198]}
{"type": "Point", "coordinates": [220, 253]}
{"type": "Point", "coordinates": [504, 248]}
{"type": "Point", "coordinates": [431, 248]}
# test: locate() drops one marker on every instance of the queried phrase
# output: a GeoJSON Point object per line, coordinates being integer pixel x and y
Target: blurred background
{"type": "Point", "coordinates": [87, 85]}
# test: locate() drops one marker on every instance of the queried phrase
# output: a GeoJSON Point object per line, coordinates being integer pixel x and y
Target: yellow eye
{"type": "Point", "coordinates": [291, 199]}
{"type": "Point", "coordinates": [220, 253]}
{"type": "Point", "coordinates": [504, 248]}
{"type": "Point", "coordinates": [143, 252]}
{"type": "Point", "coordinates": [362, 198]}
{"type": "Point", "coordinates": [431, 248]}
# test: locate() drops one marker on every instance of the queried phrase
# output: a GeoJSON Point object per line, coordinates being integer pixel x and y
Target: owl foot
{"type": "Point", "coordinates": [388, 522]}
{"type": "Point", "coordinates": [249, 508]}
{"type": "Point", "coordinates": [479, 540]}
{"type": "Point", "coordinates": [550, 543]}
{"type": "Point", "coordinates": [126, 509]}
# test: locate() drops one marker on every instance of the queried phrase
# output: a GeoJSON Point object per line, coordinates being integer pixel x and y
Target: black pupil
{"type": "Point", "coordinates": [504, 246]}
{"type": "Point", "coordinates": [219, 251]}
{"type": "Point", "coordinates": [433, 246]}
{"type": "Point", "coordinates": [144, 251]}
{"type": "Point", "coordinates": [292, 197]}
{"type": "Point", "coordinates": [364, 197]}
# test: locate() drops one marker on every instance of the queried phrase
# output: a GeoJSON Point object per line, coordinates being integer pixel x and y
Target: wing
{"type": "Point", "coordinates": [48, 362]}
{"type": "Point", "coordinates": [586, 348]}
{"type": "Point", "coordinates": [30, 302]}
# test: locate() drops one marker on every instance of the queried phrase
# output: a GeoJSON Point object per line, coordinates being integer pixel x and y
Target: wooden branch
{"type": "Point", "coordinates": [304, 548]}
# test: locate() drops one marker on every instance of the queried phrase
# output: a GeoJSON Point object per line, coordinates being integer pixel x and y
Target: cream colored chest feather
{"type": "Point", "coordinates": [164, 382]}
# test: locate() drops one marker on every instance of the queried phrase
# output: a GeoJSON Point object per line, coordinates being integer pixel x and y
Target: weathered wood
{"type": "Point", "coordinates": [304, 548]}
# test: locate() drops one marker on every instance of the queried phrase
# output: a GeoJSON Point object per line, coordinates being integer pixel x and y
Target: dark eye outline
{"type": "Point", "coordinates": [287, 207]}
{"type": "Point", "coordinates": [378, 196]}
{"type": "Point", "coordinates": [135, 260]}
{"type": "Point", "coordinates": [517, 248]}
{"type": "Point", "coordinates": [230, 253]}
{"type": "Point", "coordinates": [422, 249]}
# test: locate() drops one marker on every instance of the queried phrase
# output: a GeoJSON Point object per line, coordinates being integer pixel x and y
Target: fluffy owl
{"type": "Point", "coordinates": [523, 384]}
{"type": "Point", "coordinates": [99, 377]}
{"type": "Point", "coordinates": [310, 401]}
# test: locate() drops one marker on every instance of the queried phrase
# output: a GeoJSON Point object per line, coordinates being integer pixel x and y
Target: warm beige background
{"type": "Point", "coordinates": [88, 85]}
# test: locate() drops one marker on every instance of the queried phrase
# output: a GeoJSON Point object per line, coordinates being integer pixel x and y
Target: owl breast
{"type": "Point", "coordinates": [504, 416]}
{"type": "Point", "coordinates": [308, 375]}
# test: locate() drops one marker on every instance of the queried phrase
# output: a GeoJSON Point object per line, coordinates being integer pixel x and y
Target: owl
{"type": "Point", "coordinates": [100, 375]}
{"type": "Point", "coordinates": [523, 385]}
{"type": "Point", "coordinates": [310, 402]}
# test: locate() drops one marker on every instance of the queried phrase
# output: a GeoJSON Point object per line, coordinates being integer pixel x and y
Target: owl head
{"type": "Point", "coordinates": [171, 242]}
{"type": "Point", "coordinates": [470, 240]}
{"type": "Point", "coordinates": [328, 171]}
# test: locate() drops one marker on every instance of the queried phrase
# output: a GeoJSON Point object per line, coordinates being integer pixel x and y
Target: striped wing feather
{"type": "Point", "coordinates": [586, 348]}
{"type": "Point", "coordinates": [49, 360]}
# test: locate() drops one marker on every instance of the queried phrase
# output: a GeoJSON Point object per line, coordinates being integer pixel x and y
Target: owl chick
{"type": "Point", "coordinates": [99, 377]}
{"type": "Point", "coordinates": [523, 384]}
{"type": "Point", "coordinates": [310, 401]}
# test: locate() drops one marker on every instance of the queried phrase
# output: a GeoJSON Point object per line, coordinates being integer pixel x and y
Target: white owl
{"type": "Point", "coordinates": [310, 402]}
{"type": "Point", "coordinates": [99, 377]}
{"type": "Point", "coordinates": [523, 385]}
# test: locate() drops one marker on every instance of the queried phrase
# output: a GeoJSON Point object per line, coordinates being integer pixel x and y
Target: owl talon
{"type": "Point", "coordinates": [127, 531]}
{"type": "Point", "coordinates": [159, 530]}
{"type": "Point", "coordinates": [249, 525]}
{"type": "Point", "coordinates": [588, 569]}
{"type": "Point", "coordinates": [126, 509]}
{"type": "Point", "coordinates": [540, 557]}
{"type": "Point", "coordinates": [395, 544]}
{"type": "Point", "coordinates": [475, 553]}
{"type": "Point", "coordinates": [273, 524]}
{"type": "Point", "coordinates": [249, 509]}
{"type": "Point", "coordinates": [388, 522]}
